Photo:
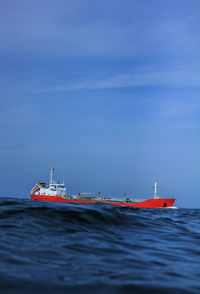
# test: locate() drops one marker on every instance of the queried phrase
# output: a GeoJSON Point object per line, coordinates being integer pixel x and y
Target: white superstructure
{"type": "Point", "coordinates": [155, 190]}
{"type": "Point", "coordinates": [54, 188]}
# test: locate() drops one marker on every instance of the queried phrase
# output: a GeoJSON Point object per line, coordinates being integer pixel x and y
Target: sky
{"type": "Point", "coordinates": [106, 92]}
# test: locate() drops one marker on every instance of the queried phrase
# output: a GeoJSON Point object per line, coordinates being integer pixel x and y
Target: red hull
{"type": "Point", "coordinates": [150, 203]}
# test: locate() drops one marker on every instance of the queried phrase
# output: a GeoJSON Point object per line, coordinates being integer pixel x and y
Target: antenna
{"type": "Point", "coordinates": [155, 190]}
{"type": "Point", "coordinates": [51, 176]}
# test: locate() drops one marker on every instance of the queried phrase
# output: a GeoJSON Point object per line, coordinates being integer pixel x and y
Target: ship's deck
{"type": "Point", "coordinates": [100, 200]}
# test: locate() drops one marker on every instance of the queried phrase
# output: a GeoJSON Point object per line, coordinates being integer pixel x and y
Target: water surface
{"type": "Point", "coordinates": [78, 248]}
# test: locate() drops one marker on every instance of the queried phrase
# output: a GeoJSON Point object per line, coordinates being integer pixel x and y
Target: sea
{"type": "Point", "coordinates": [97, 248]}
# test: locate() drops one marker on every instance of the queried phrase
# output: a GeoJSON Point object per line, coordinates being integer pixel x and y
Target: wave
{"type": "Point", "coordinates": [79, 248]}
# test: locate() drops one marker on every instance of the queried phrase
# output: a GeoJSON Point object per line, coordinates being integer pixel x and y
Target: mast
{"type": "Point", "coordinates": [51, 176]}
{"type": "Point", "coordinates": [155, 190]}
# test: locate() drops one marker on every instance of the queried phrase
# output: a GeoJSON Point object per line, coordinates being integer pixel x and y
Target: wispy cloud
{"type": "Point", "coordinates": [178, 78]}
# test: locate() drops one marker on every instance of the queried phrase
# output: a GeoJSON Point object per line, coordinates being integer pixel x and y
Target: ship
{"type": "Point", "coordinates": [56, 192]}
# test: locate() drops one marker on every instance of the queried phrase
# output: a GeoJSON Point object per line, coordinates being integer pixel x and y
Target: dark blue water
{"type": "Point", "coordinates": [70, 248]}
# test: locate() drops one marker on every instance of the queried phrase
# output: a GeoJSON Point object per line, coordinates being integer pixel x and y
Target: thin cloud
{"type": "Point", "coordinates": [178, 78]}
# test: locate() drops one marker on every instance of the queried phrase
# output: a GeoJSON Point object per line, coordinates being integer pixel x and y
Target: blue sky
{"type": "Point", "coordinates": [106, 92]}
